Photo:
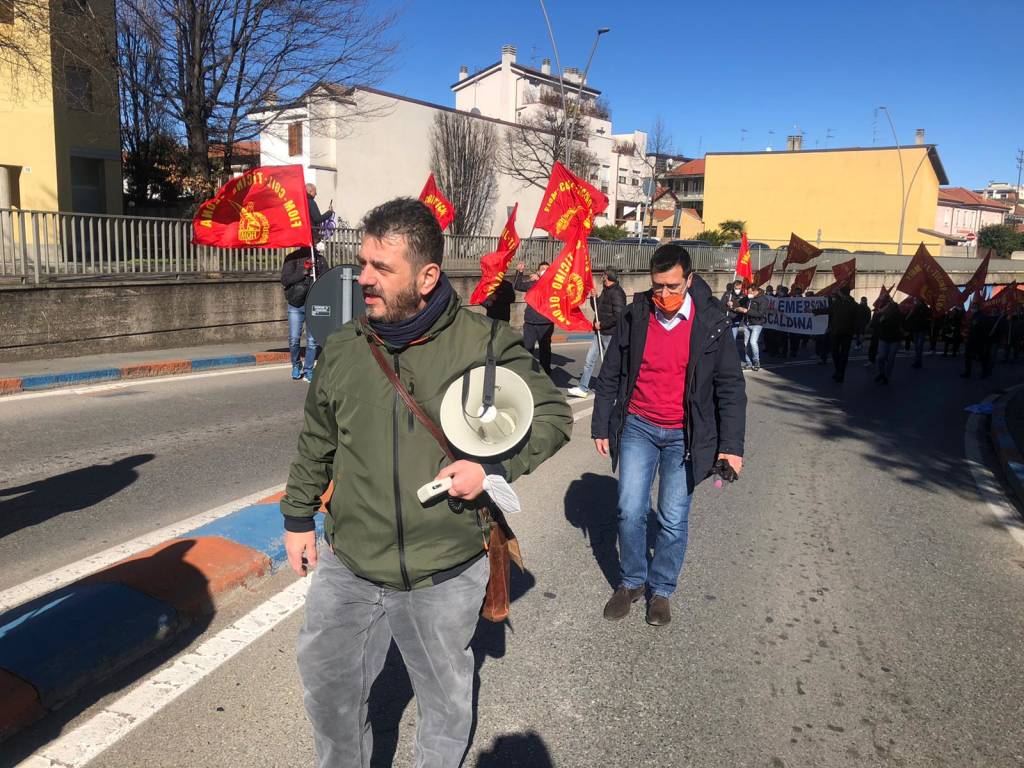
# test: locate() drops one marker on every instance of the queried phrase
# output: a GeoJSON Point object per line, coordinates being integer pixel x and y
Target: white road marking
{"type": "Point", "coordinates": [988, 488]}
{"type": "Point", "coordinates": [170, 379]}
{"type": "Point", "coordinates": [577, 415]}
{"type": "Point", "coordinates": [33, 588]}
{"type": "Point", "coordinates": [79, 746]}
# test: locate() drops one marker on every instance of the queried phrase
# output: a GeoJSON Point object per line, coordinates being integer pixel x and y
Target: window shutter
{"type": "Point", "coordinates": [294, 139]}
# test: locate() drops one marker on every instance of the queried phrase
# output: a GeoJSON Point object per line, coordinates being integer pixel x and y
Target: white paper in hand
{"type": "Point", "coordinates": [501, 494]}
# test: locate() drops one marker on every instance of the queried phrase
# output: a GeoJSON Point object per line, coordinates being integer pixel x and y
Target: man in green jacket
{"type": "Point", "coordinates": [398, 569]}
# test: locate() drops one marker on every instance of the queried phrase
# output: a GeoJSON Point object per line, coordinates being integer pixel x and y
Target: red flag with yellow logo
{"type": "Point", "coordinates": [563, 288]}
{"type": "Point", "coordinates": [803, 278]}
{"type": "Point", "coordinates": [926, 280]}
{"type": "Point", "coordinates": [567, 198]}
{"type": "Point", "coordinates": [493, 266]}
{"type": "Point", "coordinates": [977, 279]}
{"type": "Point", "coordinates": [442, 209]}
{"type": "Point", "coordinates": [744, 269]}
{"type": "Point", "coordinates": [845, 274]}
{"type": "Point", "coordinates": [262, 208]}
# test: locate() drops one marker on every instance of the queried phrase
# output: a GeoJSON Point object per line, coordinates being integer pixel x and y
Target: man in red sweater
{"type": "Point", "coordinates": [670, 399]}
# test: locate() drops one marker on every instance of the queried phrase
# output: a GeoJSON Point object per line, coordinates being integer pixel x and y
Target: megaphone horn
{"type": "Point", "coordinates": [483, 429]}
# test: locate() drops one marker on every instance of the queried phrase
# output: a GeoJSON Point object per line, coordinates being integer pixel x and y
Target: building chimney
{"type": "Point", "coordinates": [508, 55]}
{"type": "Point", "coordinates": [463, 73]}
{"type": "Point", "coordinates": [545, 66]}
{"type": "Point", "coordinates": [572, 74]}
{"type": "Point", "coordinates": [794, 143]}
{"type": "Point", "coordinates": [919, 136]}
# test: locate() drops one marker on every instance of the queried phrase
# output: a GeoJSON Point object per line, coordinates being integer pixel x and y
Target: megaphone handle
{"type": "Point", "coordinates": [433, 489]}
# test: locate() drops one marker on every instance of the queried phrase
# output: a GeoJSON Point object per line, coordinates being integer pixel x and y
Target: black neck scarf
{"type": "Point", "coordinates": [404, 332]}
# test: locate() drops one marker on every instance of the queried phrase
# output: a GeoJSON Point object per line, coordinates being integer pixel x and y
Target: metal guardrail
{"type": "Point", "coordinates": [44, 245]}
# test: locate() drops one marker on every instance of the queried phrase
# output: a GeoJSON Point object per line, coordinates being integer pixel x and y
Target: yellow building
{"type": "Point", "coordinates": [59, 142]}
{"type": "Point", "coordinates": [848, 199]}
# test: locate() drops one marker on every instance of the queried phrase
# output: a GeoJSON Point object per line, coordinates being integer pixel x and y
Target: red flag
{"type": "Point", "coordinates": [926, 280]}
{"type": "Point", "coordinates": [799, 251]}
{"type": "Point", "coordinates": [883, 298]}
{"type": "Point", "coordinates": [977, 279]}
{"type": "Point", "coordinates": [803, 279]}
{"type": "Point", "coordinates": [764, 274]}
{"type": "Point", "coordinates": [442, 209]}
{"type": "Point", "coordinates": [564, 286]}
{"type": "Point", "coordinates": [262, 208]}
{"type": "Point", "coordinates": [1003, 299]}
{"type": "Point", "coordinates": [744, 270]}
{"type": "Point", "coordinates": [845, 273]}
{"type": "Point", "coordinates": [907, 305]}
{"type": "Point", "coordinates": [568, 198]}
{"type": "Point", "coordinates": [493, 266]}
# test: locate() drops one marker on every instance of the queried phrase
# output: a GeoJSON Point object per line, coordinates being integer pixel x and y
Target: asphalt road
{"type": "Point", "coordinates": [849, 602]}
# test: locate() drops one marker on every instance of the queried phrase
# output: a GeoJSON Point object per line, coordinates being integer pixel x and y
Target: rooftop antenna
{"type": "Point", "coordinates": [743, 136]}
{"type": "Point", "coordinates": [771, 139]}
{"type": "Point", "coordinates": [829, 135]}
{"type": "Point", "coordinates": [1020, 167]}
{"type": "Point", "coordinates": [874, 126]}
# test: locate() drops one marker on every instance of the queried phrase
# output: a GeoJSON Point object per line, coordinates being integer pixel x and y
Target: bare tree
{"type": "Point", "coordinates": [530, 149]}
{"type": "Point", "coordinates": [220, 62]}
{"type": "Point", "coordinates": [463, 159]}
{"type": "Point", "coordinates": [659, 138]}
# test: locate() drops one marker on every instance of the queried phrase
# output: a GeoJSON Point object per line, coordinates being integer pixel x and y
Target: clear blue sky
{"type": "Point", "coordinates": [710, 69]}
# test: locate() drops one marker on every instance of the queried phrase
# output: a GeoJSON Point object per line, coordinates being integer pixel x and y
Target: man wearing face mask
{"type": "Point", "coordinates": [537, 329]}
{"type": "Point", "coordinates": [397, 568]}
{"type": "Point", "coordinates": [670, 399]}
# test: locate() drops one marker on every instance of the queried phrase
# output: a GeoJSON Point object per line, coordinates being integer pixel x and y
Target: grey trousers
{"type": "Point", "coordinates": [345, 638]}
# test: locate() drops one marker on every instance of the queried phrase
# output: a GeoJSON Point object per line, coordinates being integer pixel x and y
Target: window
{"type": "Point", "coordinates": [294, 139]}
{"type": "Point", "coordinates": [79, 85]}
{"type": "Point", "coordinates": [636, 182]}
{"type": "Point", "coordinates": [6, 11]}
{"type": "Point", "coordinates": [622, 179]}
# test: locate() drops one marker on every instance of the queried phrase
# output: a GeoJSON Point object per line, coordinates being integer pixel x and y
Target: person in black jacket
{"type": "Point", "coordinates": [842, 324]}
{"type": "Point", "coordinates": [537, 329]}
{"type": "Point", "coordinates": [671, 398]}
{"type": "Point", "coordinates": [863, 318]}
{"type": "Point", "coordinates": [754, 316]}
{"type": "Point", "coordinates": [499, 304]}
{"type": "Point", "coordinates": [297, 277]}
{"type": "Point", "coordinates": [610, 305]}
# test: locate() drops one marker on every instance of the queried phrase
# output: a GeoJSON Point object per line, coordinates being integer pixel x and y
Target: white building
{"type": "Point", "coordinates": [512, 92]}
{"type": "Point", "coordinates": [362, 147]}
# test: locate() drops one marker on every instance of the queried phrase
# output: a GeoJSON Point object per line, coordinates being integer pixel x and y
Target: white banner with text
{"type": "Point", "coordinates": [797, 315]}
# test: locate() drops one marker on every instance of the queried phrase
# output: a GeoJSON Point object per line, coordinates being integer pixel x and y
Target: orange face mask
{"type": "Point", "coordinates": [668, 304]}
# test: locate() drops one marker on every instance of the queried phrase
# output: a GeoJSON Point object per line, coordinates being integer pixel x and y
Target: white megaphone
{"type": "Point", "coordinates": [483, 416]}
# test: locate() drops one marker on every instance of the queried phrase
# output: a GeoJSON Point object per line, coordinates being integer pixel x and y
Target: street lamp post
{"type": "Point", "coordinates": [561, 81]}
{"type": "Point", "coordinates": [583, 81]}
{"type": "Point", "coordinates": [903, 189]}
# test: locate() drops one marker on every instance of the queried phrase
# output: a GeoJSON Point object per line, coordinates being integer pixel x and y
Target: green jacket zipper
{"type": "Point", "coordinates": [397, 487]}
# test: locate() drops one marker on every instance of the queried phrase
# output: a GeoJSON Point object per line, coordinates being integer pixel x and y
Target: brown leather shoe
{"type": "Point", "coordinates": [658, 612]}
{"type": "Point", "coordinates": [618, 606]}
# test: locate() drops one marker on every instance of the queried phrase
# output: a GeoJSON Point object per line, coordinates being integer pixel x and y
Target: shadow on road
{"type": "Point", "coordinates": [516, 750]}
{"type": "Point", "coordinates": [92, 649]}
{"type": "Point", "coordinates": [911, 430]}
{"type": "Point", "coordinates": [36, 502]}
{"type": "Point", "coordinates": [392, 691]}
{"type": "Point", "coordinates": [591, 504]}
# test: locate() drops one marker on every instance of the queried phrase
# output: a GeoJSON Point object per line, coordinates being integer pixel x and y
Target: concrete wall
{"type": "Point", "coordinates": [67, 320]}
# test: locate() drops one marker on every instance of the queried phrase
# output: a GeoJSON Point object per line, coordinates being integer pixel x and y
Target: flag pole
{"type": "Point", "coordinates": [597, 333]}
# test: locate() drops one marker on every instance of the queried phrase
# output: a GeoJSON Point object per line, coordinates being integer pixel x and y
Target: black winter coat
{"type": "Point", "coordinates": [610, 306]}
{"type": "Point", "coordinates": [294, 278]}
{"type": "Point", "coordinates": [715, 397]}
{"type": "Point", "coordinates": [499, 304]}
{"type": "Point", "coordinates": [757, 311]}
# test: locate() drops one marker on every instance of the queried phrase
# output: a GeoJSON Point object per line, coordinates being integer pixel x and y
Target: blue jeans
{"type": "Point", "coordinates": [751, 336]}
{"type": "Point", "coordinates": [296, 316]}
{"type": "Point", "coordinates": [886, 357]}
{"type": "Point", "coordinates": [643, 449]}
{"type": "Point", "coordinates": [592, 356]}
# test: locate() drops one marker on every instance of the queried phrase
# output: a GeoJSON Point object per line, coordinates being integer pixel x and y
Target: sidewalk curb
{"type": "Point", "coordinates": [1008, 452]}
{"type": "Point", "coordinates": [558, 338]}
{"type": "Point", "coordinates": [11, 386]}
{"type": "Point", "coordinates": [56, 645]}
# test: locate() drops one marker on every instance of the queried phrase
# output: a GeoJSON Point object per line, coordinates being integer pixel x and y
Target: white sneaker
{"type": "Point", "coordinates": [577, 392]}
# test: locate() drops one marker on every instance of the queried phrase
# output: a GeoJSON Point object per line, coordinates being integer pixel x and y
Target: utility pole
{"type": "Point", "coordinates": [1020, 167]}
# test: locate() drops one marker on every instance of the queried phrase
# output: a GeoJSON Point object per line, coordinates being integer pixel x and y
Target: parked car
{"type": "Point", "coordinates": [638, 241]}
{"type": "Point", "coordinates": [754, 245]}
{"type": "Point", "coordinates": [691, 243]}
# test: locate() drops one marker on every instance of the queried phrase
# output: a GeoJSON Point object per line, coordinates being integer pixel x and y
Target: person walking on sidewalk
{"type": "Point", "coordinates": [842, 324]}
{"type": "Point", "coordinates": [396, 568]}
{"type": "Point", "coordinates": [537, 329]}
{"type": "Point", "coordinates": [670, 399]}
{"type": "Point", "coordinates": [297, 278]}
{"type": "Point", "coordinates": [754, 316]}
{"type": "Point", "coordinates": [610, 305]}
